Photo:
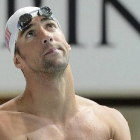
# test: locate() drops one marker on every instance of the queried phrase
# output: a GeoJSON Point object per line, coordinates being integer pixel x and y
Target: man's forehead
{"type": "Point", "coordinates": [40, 19]}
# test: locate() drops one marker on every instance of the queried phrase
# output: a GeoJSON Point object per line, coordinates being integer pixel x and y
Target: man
{"type": "Point", "coordinates": [49, 109]}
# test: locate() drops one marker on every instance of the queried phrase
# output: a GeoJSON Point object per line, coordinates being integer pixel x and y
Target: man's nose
{"type": "Point", "coordinates": [47, 37]}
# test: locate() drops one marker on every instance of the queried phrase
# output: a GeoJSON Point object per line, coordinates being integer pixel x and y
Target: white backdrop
{"type": "Point", "coordinates": [98, 70]}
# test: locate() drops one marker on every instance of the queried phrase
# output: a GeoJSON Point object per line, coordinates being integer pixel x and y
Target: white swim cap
{"type": "Point", "coordinates": [12, 26]}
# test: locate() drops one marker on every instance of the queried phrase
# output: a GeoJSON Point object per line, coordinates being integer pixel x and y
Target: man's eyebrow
{"type": "Point", "coordinates": [24, 30]}
{"type": "Point", "coordinates": [46, 19]}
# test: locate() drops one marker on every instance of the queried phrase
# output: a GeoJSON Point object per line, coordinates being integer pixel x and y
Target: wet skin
{"type": "Point", "coordinates": [90, 122]}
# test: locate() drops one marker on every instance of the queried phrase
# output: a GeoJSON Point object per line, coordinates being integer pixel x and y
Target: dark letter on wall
{"type": "Point", "coordinates": [11, 7]}
{"type": "Point", "coordinates": [72, 21]}
{"type": "Point", "coordinates": [124, 12]}
{"type": "Point", "coordinates": [37, 3]}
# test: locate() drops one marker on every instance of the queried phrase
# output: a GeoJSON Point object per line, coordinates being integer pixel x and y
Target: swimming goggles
{"type": "Point", "coordinates": [25, 19]}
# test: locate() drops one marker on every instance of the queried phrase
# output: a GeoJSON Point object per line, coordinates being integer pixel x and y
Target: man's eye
{"type": "Point", "coordinates": [30, 34]}
{"type": "Point", "coordinates": [51, 25]}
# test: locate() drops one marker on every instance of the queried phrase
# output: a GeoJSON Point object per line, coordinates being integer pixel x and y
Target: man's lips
{"type": "Point", "coordinates": [52, 50]}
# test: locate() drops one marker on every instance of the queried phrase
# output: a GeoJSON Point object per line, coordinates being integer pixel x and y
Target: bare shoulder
{"type": "Point", "coordinates": [4, 124]}
{"type": "Point", "coordinates": [11, 124]}
{"type": "Point", "coordinates": [4, 111]}
{"type": "Point", "coordinates": [97, 108]}
{"type": "Point", "coordinates": [5, 120]}
{"type": "Point", "coordinates": [85, 102]}
{"type": "Point", "coordinates": [119, 125]}
{"type": "Point", "coordinates": [109, 116]}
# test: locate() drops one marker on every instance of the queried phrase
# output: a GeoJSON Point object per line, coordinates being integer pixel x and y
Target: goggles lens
{"type": "Point", "coordinates": [45, 11]}
{"type": "Point", "coordinates": [25, 19]}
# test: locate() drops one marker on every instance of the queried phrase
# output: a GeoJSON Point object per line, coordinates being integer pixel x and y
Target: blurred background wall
{"type": "Point", "coordinates": [105, 40]}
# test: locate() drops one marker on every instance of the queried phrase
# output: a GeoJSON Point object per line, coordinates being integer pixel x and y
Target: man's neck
{"type": "Point", "coordinates": [53, 99]}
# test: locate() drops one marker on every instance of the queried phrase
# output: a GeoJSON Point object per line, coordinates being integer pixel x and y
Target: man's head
{"type": "Point", "coordinates": [38, 39]}
{"type": "Point", "coordinates": [20, 20]}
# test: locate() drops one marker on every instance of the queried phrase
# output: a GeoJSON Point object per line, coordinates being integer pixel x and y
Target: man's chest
{"type": "Point", "coordinates": [75, 132]}
{"type": "Point", "coordinates": [81, 127]}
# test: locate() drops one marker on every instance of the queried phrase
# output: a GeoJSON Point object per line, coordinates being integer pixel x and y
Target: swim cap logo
{"type": "Point", "coordinates": [7, 37]}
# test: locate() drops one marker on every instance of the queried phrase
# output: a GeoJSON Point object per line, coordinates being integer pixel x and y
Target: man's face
{"type": "Point", "coordinates": [43, 47]}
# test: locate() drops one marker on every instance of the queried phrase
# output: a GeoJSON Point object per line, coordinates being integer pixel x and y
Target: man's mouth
{"type": "Point", "coordinates": [53, 50]}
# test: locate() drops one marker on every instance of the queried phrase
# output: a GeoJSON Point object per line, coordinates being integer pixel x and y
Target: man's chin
{"type": "Point", "coordinates": [55, 66]}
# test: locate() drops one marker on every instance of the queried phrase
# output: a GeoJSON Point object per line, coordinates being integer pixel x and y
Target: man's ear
{"type": "Point", "coordinates": [18, 61]}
